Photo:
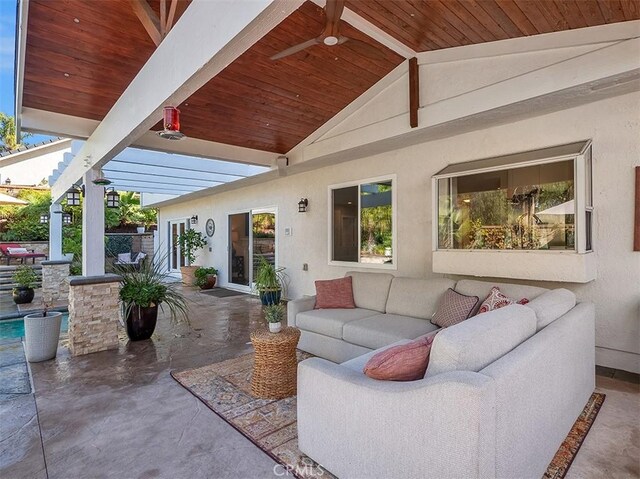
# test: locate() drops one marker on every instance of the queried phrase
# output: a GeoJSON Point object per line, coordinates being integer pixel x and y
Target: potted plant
{"type": "Point", "coordinates": [41, 334]}
{"type": "Point", "coordinates": [274, 314]}
{"type": "Point", "coordinates": [140, 229]}
{"type": "Point", "coordinates": [190, 242]}
{"type": "Point", "coordinates": [142, 292]}
{"type": "Point", "coordinates": [25, 279]}
{"type": "Point", "coordinates": [206, 277]}
{"type": "Point", "coordinates": [269, 282]}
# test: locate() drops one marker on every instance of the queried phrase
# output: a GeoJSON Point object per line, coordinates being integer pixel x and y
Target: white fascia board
{"type": "Point", "coordinates": [58, 124]}
{"type": "Point", "coordinates": [209, 36]}
{"type": "Point", "coordinates": [613, 32]}
{"type": "Point", "coordinates": [580, 74]}
{"type": "Point", "coordinates": [34, 152]}
{"type": "Point", "coordinates": [20, 47]}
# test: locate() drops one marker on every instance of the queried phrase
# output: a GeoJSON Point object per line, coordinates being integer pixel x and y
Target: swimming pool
{"type": "Point", "coordinates": [14, 328]}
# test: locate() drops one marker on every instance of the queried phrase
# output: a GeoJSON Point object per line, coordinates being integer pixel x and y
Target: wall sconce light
{"type": "Point", "coordinates": [302, 205]}
{"type": "Point", "coordinates": [194, 220]}
{"type": "Point", "coordinates": [113, 199]}
{"type": "Point", "coordinates": [73, 196]}
{"type": "Point", "coordinates": [67, 219]}
{"type": "Point", "coordinates": [44, 219]}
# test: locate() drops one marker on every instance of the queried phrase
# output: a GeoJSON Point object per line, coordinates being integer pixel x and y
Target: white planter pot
{"type": "Point", "coordinates": [140, 229]}
{"type": "Point", "coordinates": [41, 336]}
{"type": "Point", "coordinates": [68, 256]}
{"type": "Point", "coordinates": [275, 327]}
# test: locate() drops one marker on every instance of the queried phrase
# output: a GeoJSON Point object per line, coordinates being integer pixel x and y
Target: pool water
{"type": "Point", "coordinates": [14, 328]}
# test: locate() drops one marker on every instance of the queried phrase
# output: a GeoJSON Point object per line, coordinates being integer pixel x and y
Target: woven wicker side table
{"type": "Point", "coordinates": [275, 367]}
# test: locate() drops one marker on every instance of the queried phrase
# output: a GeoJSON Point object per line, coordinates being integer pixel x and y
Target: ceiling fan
{"type": "Point", "coordinates": [330, 35]}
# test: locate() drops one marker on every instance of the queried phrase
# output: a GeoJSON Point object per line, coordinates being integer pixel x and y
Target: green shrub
{"type": "Point", "coordinates": [25, 277]}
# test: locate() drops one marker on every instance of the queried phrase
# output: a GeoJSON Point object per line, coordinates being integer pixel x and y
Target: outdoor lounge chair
{"type": "Point", "coordinates": [130, 259]}
{"type": "Point", "coordinates": [14, 250]}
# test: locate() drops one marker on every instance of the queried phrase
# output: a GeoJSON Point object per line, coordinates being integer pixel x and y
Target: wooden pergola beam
{"type": "Point", "coordinates": [414, 91]}
{"type": "Point", "coordinates": [149, 19]}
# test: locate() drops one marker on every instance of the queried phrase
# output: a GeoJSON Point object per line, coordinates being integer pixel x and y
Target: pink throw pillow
{"type": "Point", "coordinates": [454, 308]}
{"type": "Point", "coordinates": [334, 294]}
{"type": "Point", "coordinates": [497, 300]}
{"type": "Point", "coordinates": [405, 362]}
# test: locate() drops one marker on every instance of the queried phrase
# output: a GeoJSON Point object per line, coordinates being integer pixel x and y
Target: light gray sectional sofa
{"type": "Point", "coordinates": [501, 392]}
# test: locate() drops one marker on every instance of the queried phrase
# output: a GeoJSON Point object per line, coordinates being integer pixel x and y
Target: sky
{"type": "Point", "coordinates": [7, 52]}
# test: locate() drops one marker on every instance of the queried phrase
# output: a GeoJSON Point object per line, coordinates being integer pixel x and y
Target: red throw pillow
{"type": "Point", "coordinates": [454, 308]}
{"type": "Point", "coordinates": [497, 300]}
{"type": "Point", "coordinates": [334, 294]}
{"type": "Point", "coordinates": [405, 362]}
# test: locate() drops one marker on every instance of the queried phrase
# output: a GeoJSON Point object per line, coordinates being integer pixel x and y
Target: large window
{"type": "Point", "coordinates": [362, 223]}
{"type": "Point", "coordinates": [523, 202]}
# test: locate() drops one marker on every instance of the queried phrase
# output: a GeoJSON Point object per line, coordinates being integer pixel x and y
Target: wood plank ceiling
{"type": "Point", "coordinates": [82, 54]}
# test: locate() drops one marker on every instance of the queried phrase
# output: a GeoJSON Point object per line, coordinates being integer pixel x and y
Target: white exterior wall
{"type": "Point", "coordinates": [612, 124]}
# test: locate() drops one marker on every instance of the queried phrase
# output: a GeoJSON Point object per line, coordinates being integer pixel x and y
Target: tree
{"type": "Point", "coordinates": [8, 134]}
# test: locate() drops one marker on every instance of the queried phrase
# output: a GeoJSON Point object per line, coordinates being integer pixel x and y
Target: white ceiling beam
{"type": "Point", "coordinates": [21, 45]}
{"type": "Point", "coordinates": [138, 186]}
{"type": "Point", "coordinates": [149, 20]}
{"type": "Point", "coordinates": [206, 39]}
{"type": "Point", "coordinates": [156, 179]}
{"type": "Point", "coordinates": [57, 124]}
{"type": "Point", "coordinates": [147, 170]}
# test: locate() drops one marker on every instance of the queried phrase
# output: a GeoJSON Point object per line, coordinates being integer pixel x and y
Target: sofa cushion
{"type": "Point", "coordinates": [405, 362]}
{"type": "Point", "coordinates": [330, 321]}
{"type": "Point", "coordinates": [552, 304]}
{"type": "Point", "coordinates": [477, 342]}
{"type": "Point", "coordinates": [416, 297]}
{"type": "Point", "coordinates": [370, 290]}
{"type": "Point", "coordinates": [382, 329]}
{"type": "Point", "coordinates": [454, 308]}
{"type": "Point", "coordinates": [334, 294]}
{"type": "Point", "coordinates": [481, 289]}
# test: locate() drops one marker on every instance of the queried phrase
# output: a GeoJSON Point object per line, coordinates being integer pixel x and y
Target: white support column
{"type": "Point", "coordinates": [55, 232]}
{"type": "Point", "coordinates": [92, 226]}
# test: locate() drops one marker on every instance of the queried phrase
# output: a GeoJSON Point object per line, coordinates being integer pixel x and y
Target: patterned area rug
{"type": "Point", "coordinates": [271, 424]}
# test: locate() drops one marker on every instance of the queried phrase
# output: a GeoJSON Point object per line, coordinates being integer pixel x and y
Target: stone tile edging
{"type": "Point", "coordinates": [51, 262]}
{"type": "Point", "coordinates": [86, 280]}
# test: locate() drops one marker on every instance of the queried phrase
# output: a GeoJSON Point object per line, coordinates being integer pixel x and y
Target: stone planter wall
{"type": "Point", "coordinates": [94, 313]}
{"type": "Point", "coordinates": [55, 280]}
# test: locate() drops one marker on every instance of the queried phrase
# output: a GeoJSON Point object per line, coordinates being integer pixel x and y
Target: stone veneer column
{"type": "Point", "coordinates": [94, 313]}
{"type": "Point", "coordinates": [55, 280]}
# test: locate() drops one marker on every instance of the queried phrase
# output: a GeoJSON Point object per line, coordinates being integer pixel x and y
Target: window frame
{"type": "Point", "coordinates": [394, 223]}
{"type": "Point", "coordinates": [581, 180]}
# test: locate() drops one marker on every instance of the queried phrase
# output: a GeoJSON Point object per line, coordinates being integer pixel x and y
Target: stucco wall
{"type": "Point", "coordinates": [612, 124]}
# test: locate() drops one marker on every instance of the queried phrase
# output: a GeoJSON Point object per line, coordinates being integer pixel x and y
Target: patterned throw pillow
{"type": "Point", "coordinates": [497, 300]}
{"type": "Point", "coordinates": [405, 362]}
{"type": "Point", "coordinates": [17, 250]}
{"type": "Point", "coordinates": [334, 294]}
{"type": "Point", "coordinates": [453, 308]}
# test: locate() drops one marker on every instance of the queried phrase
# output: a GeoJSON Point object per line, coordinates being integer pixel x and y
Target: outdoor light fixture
{"type": "Point", "coordinates": [302, 205]}
{"type": "Point", "coordinates": [101, 180]}
{"type": "Point", "coordinates": [73, 196]}
{"type": "Point", "coordinates": [44, 219]}
{"type": "Point", "coordinates": [66, 219]}
{"type": "Point", "coordinates": [113, 199]}
{"type": "Point", "coordinates": [194, 220]}
{"type": "Point", "coordinates": [171, 124]}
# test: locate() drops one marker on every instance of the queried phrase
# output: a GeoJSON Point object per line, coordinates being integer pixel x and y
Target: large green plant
{"type": "Point", "coordinates": [150, 285]}
{"type": "Point", "coordinates": [268, 277]}
{"type": "Point", "coordinates": [8, 133]}
{"type": "Point", "coordinates": [23, 222]}
{"type": "Point", "coordinates": [201, 274]}
{"type": "Point", "coordinates": [25, 277]}
{"type": "Point", "coordinates": [190, 242]}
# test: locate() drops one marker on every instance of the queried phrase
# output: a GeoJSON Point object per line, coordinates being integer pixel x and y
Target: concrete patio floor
{"type": "Point", "coordinates": [119, 414]}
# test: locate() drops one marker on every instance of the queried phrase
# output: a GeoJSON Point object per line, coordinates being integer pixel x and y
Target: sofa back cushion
{"type": "Point", "coordinates": [477, 342]}
{"type": "Point", "coordinates": [370, 290]}
{"type": "Point", "coordinates": [552, 304]}
{"type": "Point", "coordinates": [416, 297]}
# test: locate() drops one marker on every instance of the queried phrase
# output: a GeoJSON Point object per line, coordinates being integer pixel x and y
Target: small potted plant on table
{"type": "Point", "coordinates": [41, 334]}
{"type": "Point", "coordinates": [190, 242]}
{"type": "Point", "coordinates": [206, 277]}
{"type": "Point", "coordinates": [269, 282]}
{"type": "Point", "coordinates": [274, 314]}
{"type": "Point", "coordinates": [25, 278]}
{"type": "Point", "coordinates": [142, 292]}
